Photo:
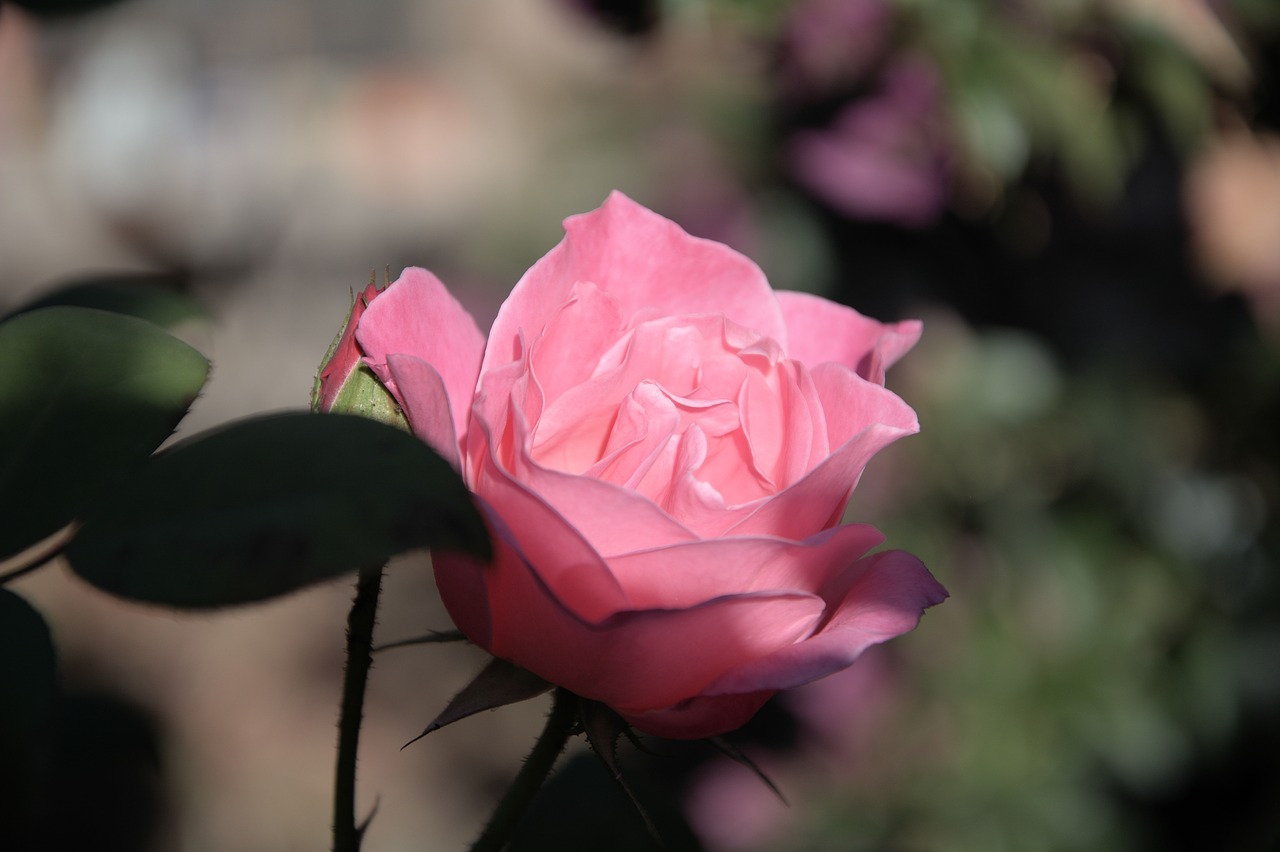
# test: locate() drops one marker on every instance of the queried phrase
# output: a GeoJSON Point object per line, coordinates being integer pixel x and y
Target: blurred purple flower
{"type": "Point", "coordinates": [883, 157]}
{"type": "Point", "coordinates": [830, 43]}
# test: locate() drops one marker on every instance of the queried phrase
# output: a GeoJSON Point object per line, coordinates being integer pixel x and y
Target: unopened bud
{"type": "Point", "coordinates": [344, 384]}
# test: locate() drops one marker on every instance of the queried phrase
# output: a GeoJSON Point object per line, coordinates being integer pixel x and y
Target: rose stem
{"type": "Point", "coordinates": [364, 610]}
{"type": "Point", "coordinates": [537, 766]}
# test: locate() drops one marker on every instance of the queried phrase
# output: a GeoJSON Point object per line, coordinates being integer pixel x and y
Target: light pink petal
{"type": "Point", "coordinates": [820, 331]}
{"type": "Point", "coordinates": [417, 316]}
{"type": "Point", "coordinates": [690, 573]}
{"type": "Point", "coordinates": [648, 264]}
{"type": "Point", "coordinates": [610, 517]}
{"type": "Point", "coordinates": [613, 518]}
{"type": "Point", "coordinates": [887, 594]}
{"type": "Point", "coordinates": [862, 419]}
{"type": "Point", "coordinates": [863, 424]}
{"type": "Point", "coordinates": [646, 422]}
{"type": "Point", "coordinates": [564, 355]}
{"type": "Point", "coordinates": [421, 393]}
{"type": "Point", "coordinates": [851, 403]}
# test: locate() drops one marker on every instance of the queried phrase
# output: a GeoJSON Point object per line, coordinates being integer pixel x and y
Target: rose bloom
{"type": "Point", "coordinates": [664, 448]}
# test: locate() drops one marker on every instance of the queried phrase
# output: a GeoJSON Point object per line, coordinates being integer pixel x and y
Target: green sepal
{"type": "Point", "coordinates": [498, 684]}
{"type": "Point", "coordinates": [362, 394]}
{"type": "Point", "coordinates": [603, 728]}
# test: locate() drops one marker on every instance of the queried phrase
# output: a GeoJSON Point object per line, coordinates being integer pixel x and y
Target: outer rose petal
{"type": "Point", "coordinates": [822, 331]}
{"type": "Point", "coordinates": [648, 264]}
{"type": "Point", "coordinates": [417, 316]}
{"type": "Point", "coordinates": [684, 575]}
{"type": "Point", "coordinates": [704, 716]}
{"type": "Point", "coordinates": [885, 598]}
{"type": "Point", "coordinates": [640, 660]}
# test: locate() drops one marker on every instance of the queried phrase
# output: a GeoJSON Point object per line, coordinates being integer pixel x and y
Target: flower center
{"type": "Point", "coordinates": [683, 408]}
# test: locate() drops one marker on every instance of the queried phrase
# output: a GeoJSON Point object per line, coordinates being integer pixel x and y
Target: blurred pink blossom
{"type": "Point", "coordinates": [827, 43]}
{"type": "Point", "coordinates": [883, 157]}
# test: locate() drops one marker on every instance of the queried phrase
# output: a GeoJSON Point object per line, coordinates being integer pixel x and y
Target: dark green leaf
{"type": "Point", "coordinates": [498, 684]}
{"type": "Point", "coordinates": [268, 505]}
{"type": "Point", "coordinates": [154, 297]}
{"type": "Point", "coordinates": [85, 395]}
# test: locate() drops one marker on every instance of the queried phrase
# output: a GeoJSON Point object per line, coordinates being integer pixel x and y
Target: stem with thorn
{"type": "Point", "coordinates": [537, 766]}
{"type": "Point", "coordinates": [347, 834]}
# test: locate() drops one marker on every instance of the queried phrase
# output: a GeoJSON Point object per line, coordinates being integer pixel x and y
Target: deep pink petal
{"type": "Point", "coordinates": [704, 716]}
{"type": "Point", "coordinates": [421, 393]}
{"type": "Point", "coordinates": [417, 316]}
{"type": "Point", "coordinates": [687, 574]}
{"type": "Point", "coordinates": [638, 659]}
{"type": "Point", "coordinates": [648, 264]}
{"type": "Point", "coordinates": [887, 594]}
{"type": "Point", "coordinates": [821, 331]}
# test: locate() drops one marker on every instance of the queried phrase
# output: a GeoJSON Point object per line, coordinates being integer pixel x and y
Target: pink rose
{"type": "Point", "coordinates": [664, 448]}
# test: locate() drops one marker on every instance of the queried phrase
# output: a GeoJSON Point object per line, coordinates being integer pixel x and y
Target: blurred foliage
{"type": "Point", "coordinates": [1113, 628]}
{"type": "Point", "coordinates": [86, 395]}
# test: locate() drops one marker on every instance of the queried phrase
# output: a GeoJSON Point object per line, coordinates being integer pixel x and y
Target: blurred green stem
{"type": "Point", "coordinates": [364, 610]}
{"type": "Point", "coordinates": [537, 766]}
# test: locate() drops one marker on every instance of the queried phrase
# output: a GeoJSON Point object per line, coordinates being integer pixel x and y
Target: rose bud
{"type": "Point", "coordinates": [344, 384]}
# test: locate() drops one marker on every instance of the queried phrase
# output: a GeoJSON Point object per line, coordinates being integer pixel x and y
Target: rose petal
{"type": "Point", "coordinates": [648, 264]}
{"type": "Point", "coordinates": [818, 500]}
{"type": "Point", "coordinates": [566, 562]}
{"type": "Point", "coordinates": [703, 716]}
{"type": "Point", "coordinates": [421, 392]}
{"type": "Point", "coordinates": [578, 334]}
{"type": "Point", "coordinates": [886, 598]}
{"type": "Point", "coordinates": [820, 330]}
{"type": "Point", "coordinates": [862, 419]}
{"type": "Point", "coordinates": [689, 573]}
{"type": "Point", "coordinates": [417, 316]}
{"type": "Point", "coordinates": [851, 403]}
{"type": "Point", "coordinates": [610, 517]}
{"type": "Point", "coordinates": [639, 659]}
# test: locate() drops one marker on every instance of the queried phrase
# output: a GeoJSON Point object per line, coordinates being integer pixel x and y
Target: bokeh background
{"type": "Point", "coordinates": [1081, 198]}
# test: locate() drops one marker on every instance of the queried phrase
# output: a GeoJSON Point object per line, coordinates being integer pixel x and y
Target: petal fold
{"type": "Point", "coordinates": [886, 598]}
{"type": "Point", "coordinates": [821, 330]}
